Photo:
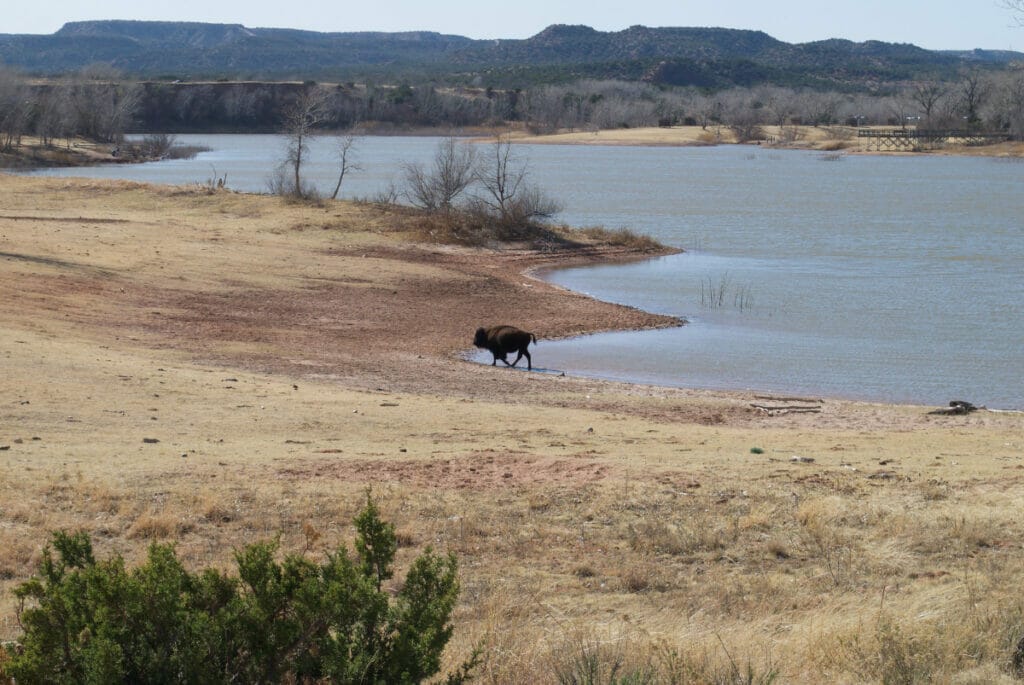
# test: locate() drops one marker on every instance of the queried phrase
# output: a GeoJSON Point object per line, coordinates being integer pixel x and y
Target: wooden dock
{"type": "Point", "coordinates": [912, 139]}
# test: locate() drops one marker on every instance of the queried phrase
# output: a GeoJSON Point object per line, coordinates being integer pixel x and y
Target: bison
{"type": "Point", "coordinates": [501, 340]}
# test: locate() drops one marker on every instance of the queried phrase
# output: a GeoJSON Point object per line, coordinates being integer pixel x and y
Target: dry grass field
{"type": "Point", "coordinates": [215, 369]}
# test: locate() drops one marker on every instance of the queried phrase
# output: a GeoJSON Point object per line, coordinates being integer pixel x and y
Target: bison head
{"type": "Point", "coordinates": [480, 339]}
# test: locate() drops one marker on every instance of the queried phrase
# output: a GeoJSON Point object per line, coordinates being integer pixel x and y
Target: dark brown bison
{"type": "Point", "coordinates": [501, 340]}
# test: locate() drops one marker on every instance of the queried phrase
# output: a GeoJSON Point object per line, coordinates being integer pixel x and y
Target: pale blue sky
{"type": "Point", "coordinates": [935, 24]}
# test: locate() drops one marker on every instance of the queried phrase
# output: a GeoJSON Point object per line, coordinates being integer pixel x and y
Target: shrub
{"type": "Point", "coordinates": [620, 237]}
{"type": "Point", "coordinates": [472, 227]}
{"type": "Point", "coordinates": [294, 621]}
{"type": "Point", "coordinates": [186, 151]}
{"type": "Point", "coordinates": [156, 145]}
{"type": "Point", "coordinates": [452, 171]}
{"type": "Point", "coordinates": [282, 183]}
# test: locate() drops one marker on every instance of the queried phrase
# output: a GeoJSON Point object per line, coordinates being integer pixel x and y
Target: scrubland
{"type": "Point", "coordinates": [214, 369]}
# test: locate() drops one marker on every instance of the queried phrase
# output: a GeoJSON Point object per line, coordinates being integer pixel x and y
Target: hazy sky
{"type": "Point", "coordinates": [935, 24]}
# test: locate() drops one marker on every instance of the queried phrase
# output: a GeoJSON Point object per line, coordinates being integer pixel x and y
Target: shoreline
{"type": "Point", "coordinates": [519, 264]}
{"type": "Point", "coordinates": [707, 385]}
{"type": "Point", "coordinates": [827, 140]}
{"type": "Point", "coordinates": [540, 263]}
{"type": "Point", "coordinates": [837, 139]}
{"type": "Point", "coordinates": [211, 369]}
{"type": "Point", "coordinates": [540, 272]}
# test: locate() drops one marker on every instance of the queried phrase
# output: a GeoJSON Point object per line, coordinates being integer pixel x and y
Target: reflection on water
{"type": "Point", "coordinates": [887, 278]}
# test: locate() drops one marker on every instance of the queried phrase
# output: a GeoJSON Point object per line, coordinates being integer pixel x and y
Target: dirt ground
{"type": "Point", "coordinates": [215, 368]}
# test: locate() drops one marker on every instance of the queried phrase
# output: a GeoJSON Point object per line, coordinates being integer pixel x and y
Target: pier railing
{"type": "Point", "coordinates": [901, 139]}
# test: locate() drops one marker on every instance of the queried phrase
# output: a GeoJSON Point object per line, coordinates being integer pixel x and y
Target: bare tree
{"type": "Point", "coordinates": [709, 110]}
{"type": "Point", "coordinates": [451, 173]}
{"type": "Point", "coordinates": [346, 146]}
{"type": "Point", "coordinates": [500, 179]}
{"type": "Point", "coordinates": [869, 109]}
{"type": "Point", "coordinates": [1015, 6]}
{"type": "Point", "coordinates": [239, 104]}
{"type": "Point", "coordinates": [950, 111]}
{"type": "Point", "coordinates": [544, 109]}
{"type": "Point", "coordinates": [743, 113]}
{"type": "Point", "coordinates": [1008, 102]}
{"type": "Point", "coordinates": [779, 105]}
{"type": "Point", "coordinates": [899, 108]}
{"type": "Point", "coordinates": [428, 104]}
{"type": "Point", "coordinates": [195, 105]}
{"type": "Point", "coordinates": [508, 196]}
{"type": "Point", "coordinates": [54, 114]}
{"type": "Point", "coordinates": [104, 106]}
{"type": "Point", "coordinates": [300, 122]}
{"type": "Point", "coordinates": [928, 96]}
{"type": "Point", "coordinates": [973, 90]}
{"type": "Point", "coordinates": [15, 108]}
{"type": "Point", "coordinates": [48, 114]}
{"type": "Point", "coordinates": [820, 109]}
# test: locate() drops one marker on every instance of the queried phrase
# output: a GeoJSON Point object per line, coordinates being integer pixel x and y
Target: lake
{"type": "Point", "coordinates": [889, 278]}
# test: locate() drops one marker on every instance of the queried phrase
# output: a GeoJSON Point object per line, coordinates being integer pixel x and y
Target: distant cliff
{"type": "Point", "coordinates": [707, 57]}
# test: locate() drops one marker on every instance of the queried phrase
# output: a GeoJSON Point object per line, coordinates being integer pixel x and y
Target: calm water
{"type": "Point", "coordinates": [885, 278]}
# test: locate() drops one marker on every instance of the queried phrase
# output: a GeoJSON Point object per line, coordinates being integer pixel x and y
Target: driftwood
{"type": "Point", "coordinates": [956, 408]}
{"type": "Point", "coordinates": [773, 409]}
{"type": "Point", "coordinates": [807, 400]}
{"type": "Point", "coordinates": [795, 405]}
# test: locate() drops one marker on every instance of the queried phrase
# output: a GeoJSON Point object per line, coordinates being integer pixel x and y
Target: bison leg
{"type": "Point", "coordinates": [529, 362]}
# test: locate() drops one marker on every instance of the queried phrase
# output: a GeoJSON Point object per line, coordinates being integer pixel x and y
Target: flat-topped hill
{"type": "Point", "coordinates": [702, 56]}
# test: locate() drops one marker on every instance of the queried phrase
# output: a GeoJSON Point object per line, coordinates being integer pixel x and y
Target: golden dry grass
{"type": "Point", "coordinates": [159, 384]}
{"type": "Point", "coordinates": [622, 237]}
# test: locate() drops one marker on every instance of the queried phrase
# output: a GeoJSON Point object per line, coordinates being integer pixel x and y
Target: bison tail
{"type": "Point", "coordinates": [534, 338]}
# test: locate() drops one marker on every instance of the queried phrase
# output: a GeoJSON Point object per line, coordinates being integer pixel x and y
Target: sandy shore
{"type": "Point", "coordinates": [820, 138]}
{"type": "Point", "coordinates": [218, 368]}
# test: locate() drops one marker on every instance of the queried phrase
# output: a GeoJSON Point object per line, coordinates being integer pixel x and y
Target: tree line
{"type": "Point", "coordinates": [92, 104]}
{"type": "Point", "coordinates": [97, 104]}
